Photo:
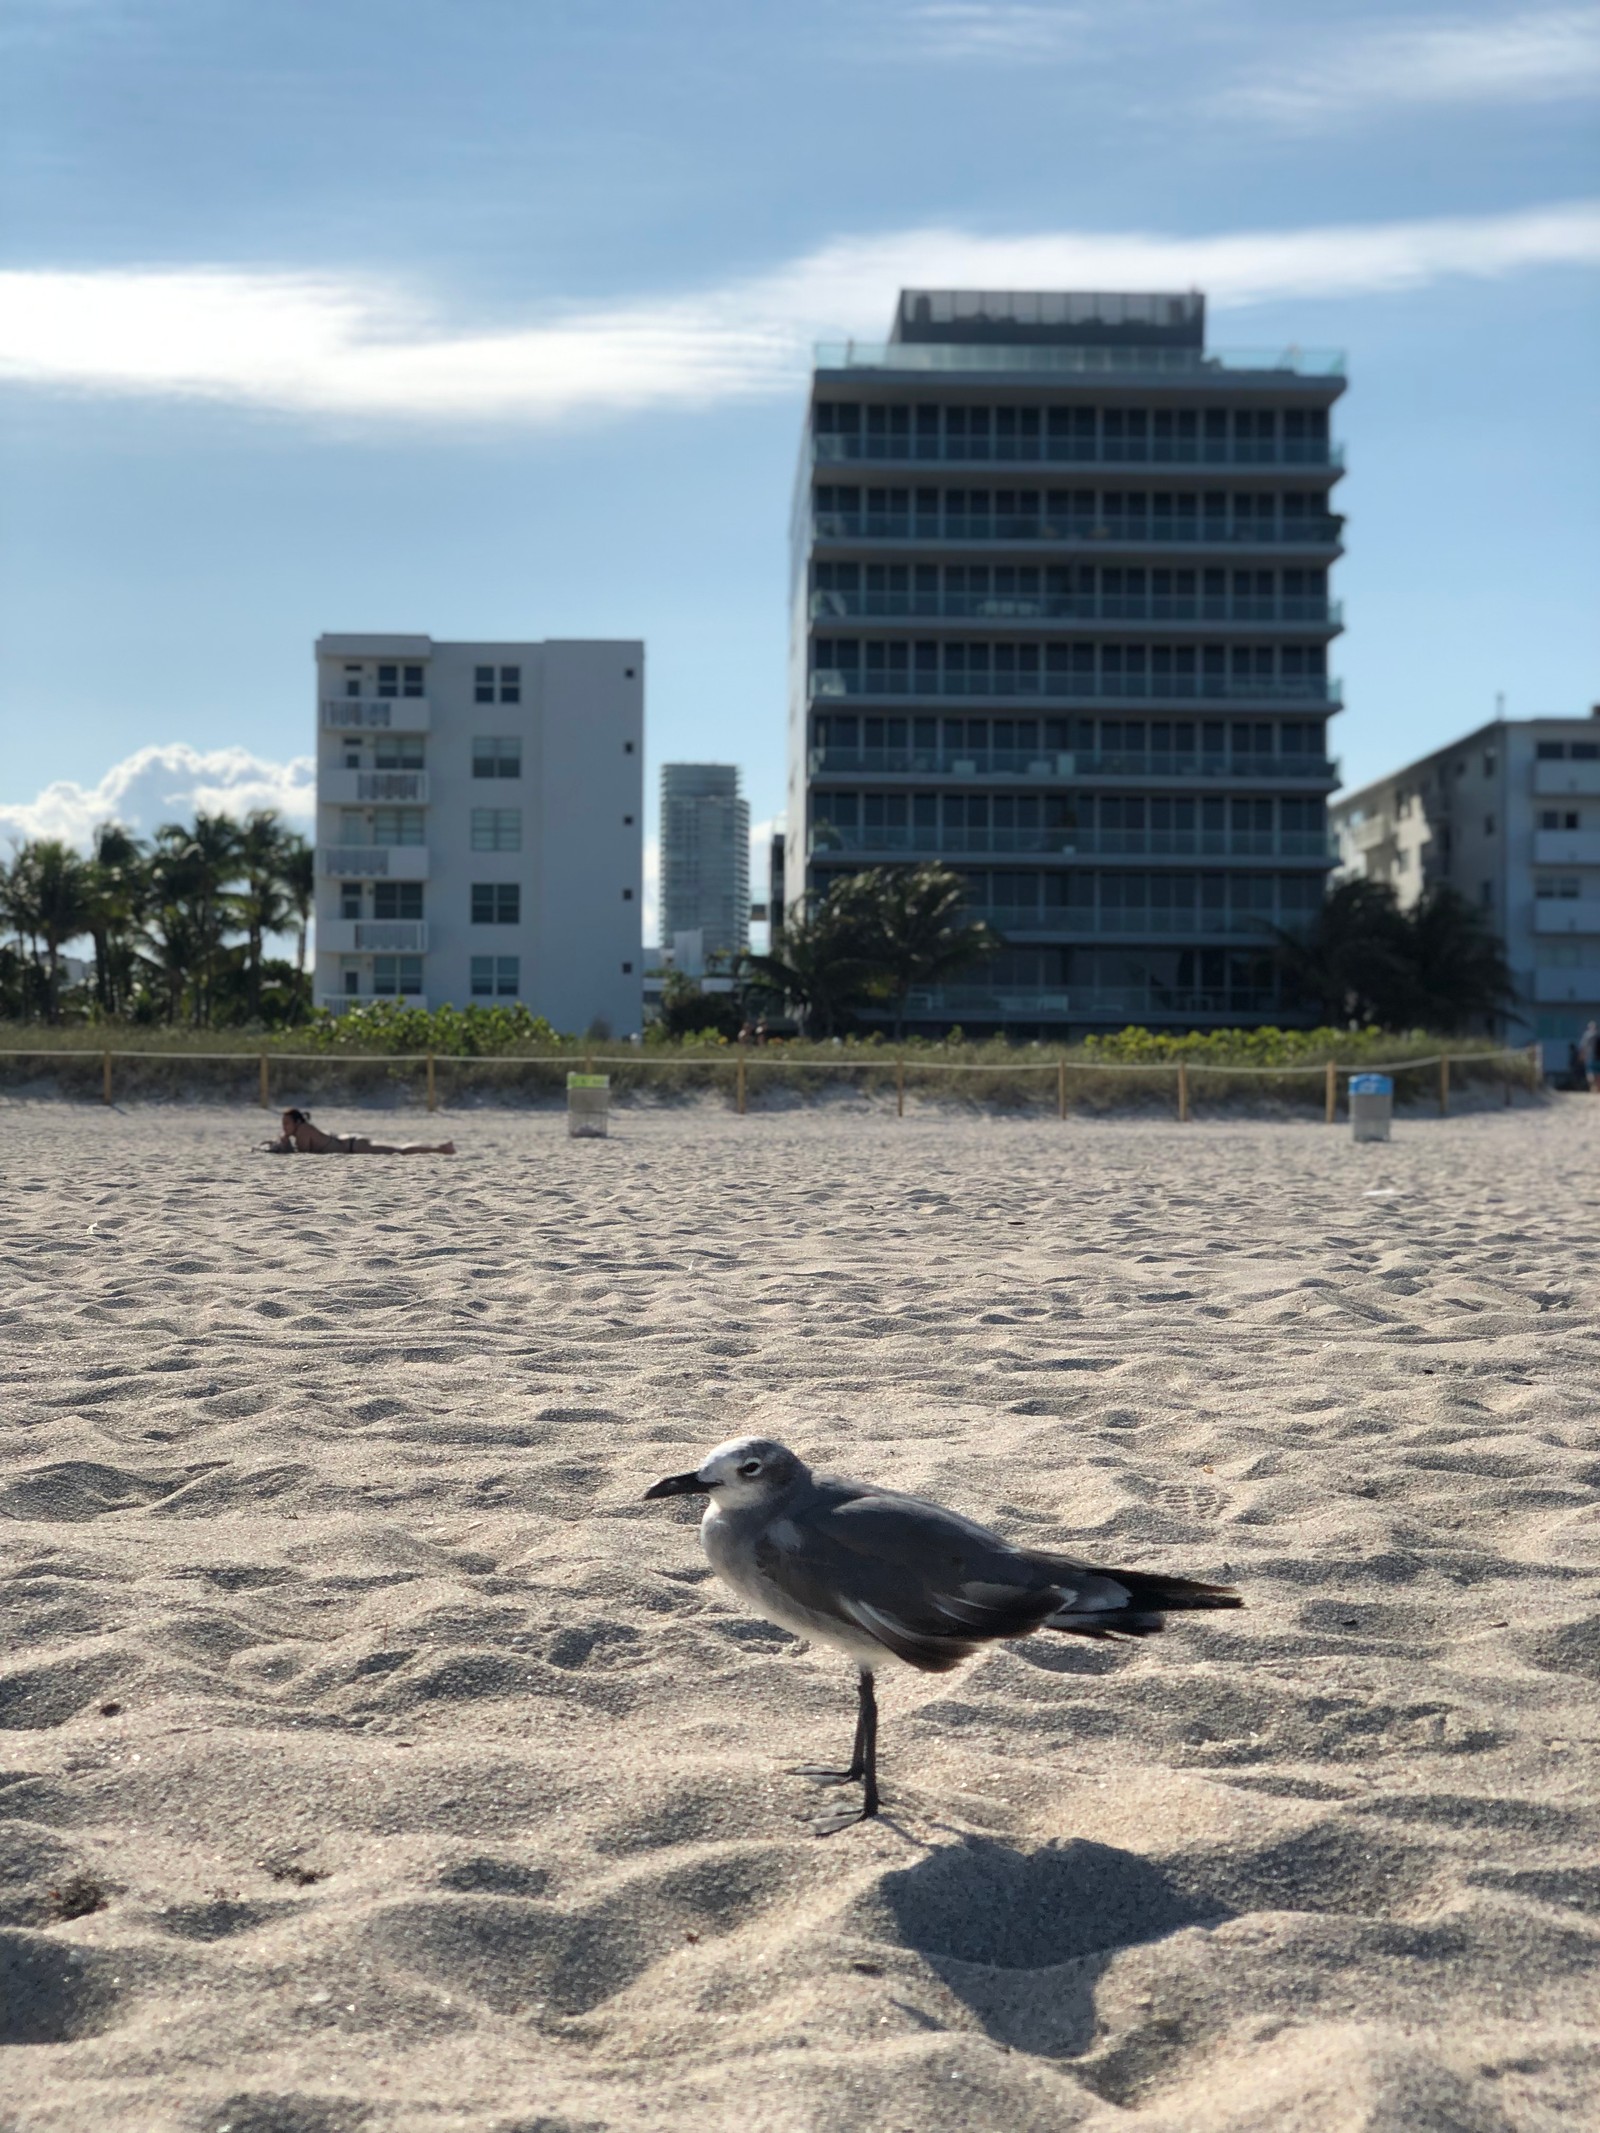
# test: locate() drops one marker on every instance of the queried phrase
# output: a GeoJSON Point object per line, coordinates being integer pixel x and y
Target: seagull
{"type": "Point", "coordinates": [878, 1574]}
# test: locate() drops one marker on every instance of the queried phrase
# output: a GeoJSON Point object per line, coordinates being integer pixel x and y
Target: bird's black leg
{"type": "Point", "coordinates": [863, 1764]}
{"type": "Point", "coordinates": [858, 1753]}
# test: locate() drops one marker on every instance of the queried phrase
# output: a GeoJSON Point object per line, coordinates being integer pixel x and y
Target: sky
{"type": "Point", "coordinates": [492, 319]}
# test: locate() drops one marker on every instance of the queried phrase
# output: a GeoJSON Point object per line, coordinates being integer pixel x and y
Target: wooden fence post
{"type": "Point", "coordinates": [432, 1091]}
{"type": "Point", "coordinates": [105, 1075]}
{"type": "Point", "coordinates": [1444, 1085]}
{"type": "Point", "coordinates": [899, 1088]}
{"type": "Point", "coordinates": [1535, 1067]}
{"type": "Point", "coordinates": [266, 1104]}
{"type": "Point", "coordinates": [741, 1085]}
{"type": "Point", "coordinates": [1330, 1107]}
{"type": "Point", "coordinates": [1183, 1092]}
{"type": "Point", "coordinates": [1061, 1088]}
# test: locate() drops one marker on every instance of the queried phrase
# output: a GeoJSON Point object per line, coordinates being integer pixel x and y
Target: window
{"type": "Point", "coordinates": [352, 983]}
{"type": "Point", "coordinates": [496, 755]}
{"type": "Point", "coordinates": [511, 685]}
{"type": "Point", "coordinates": [497, 829]}
{"type": "Point", "coordinates": [1549, 886]}
{"type": "Point", "coordinates": [349, 899]}
{"type": "Point", "coordinates": [388, 681]}
{"type": "Point", "coordinates": [1550, 751]}
{"type": "Point", "coordinates": [627, 970]}
{"type": "Point", "coordinates": [627, 747]}
{"type": "Point", "coordinates": [495, 976]}
{"type": "Point", "coordinates": [627, 896]}
{"type": "Point", "coordinates": [398, 751]}
{"type": "Point", "coordinates": [1488, 762]}
{"type": "Point", "coordinates": [1488, 825]}
{"type": "Point", "coordinates": [497, 903]}
{"type": "Point", "coordinates": [411, 681]}
{"type": "Point", "coordinates": [1486, 894]}
{"type": "Point", "coordinates": [483, 685]}
{"type": "Point", "coordinates": [397, 899]}
{"type": "Point", "coordinates": [1558, 818]}
{"type": "Point", "coordinates": [352, 681]}
{"type": "Point", "coordinates": [393, 975]}
{"type": "Point", "coordinates": [1586, 751]}
{"type": "Point", "coordinates": [398, 825]}
{"type": "Point", "coordinates": [627, 822]}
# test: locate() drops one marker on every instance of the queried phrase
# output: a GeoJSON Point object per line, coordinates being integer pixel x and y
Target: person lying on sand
{"type": "Point", "coordinates": [300, 1137]}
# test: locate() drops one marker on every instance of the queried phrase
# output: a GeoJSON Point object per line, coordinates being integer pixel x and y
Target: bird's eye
{"type": "Point", "coordinates": [750, 1466]}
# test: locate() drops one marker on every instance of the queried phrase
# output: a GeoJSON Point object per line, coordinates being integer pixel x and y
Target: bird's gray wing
{"type": "Point", "coordinates": [927, 1585]}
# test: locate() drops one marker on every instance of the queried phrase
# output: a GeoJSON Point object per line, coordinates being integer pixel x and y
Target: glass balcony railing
{"type": "Point", "coordinates": [830, 604]}
{"type": "Point", "coordinates": [1046, 361]}
{"type": "Point", "coordinates": [836, 450]}
{"type": "Point", "coordinates": [1316, 531]}
{"type": "Point", "coordinates": [1016, 921]}
{"type": "Point", "coordinates": [829, 683]}
{"type": "Point", "coordinates": [1065, 765]}
{"type": "Point", "coordinates": [1090, 1002]}
{"type": "Point", "coordinates": [946, 839]}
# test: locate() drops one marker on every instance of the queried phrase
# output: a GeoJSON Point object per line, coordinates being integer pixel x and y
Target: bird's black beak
{"type": "Point", "coordinates": [678, 1485]}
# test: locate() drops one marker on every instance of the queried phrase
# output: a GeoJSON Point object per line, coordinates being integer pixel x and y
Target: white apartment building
{"type": "Point", "coordinates": [1510, 817]}
{"type": "Point", "coordinates": [480, 825]}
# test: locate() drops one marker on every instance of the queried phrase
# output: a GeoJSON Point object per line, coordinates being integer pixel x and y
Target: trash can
{"type": "Point", "coordinates": [1371, 1106]}
{"type": "Point", "coordinates": [588, 1106]}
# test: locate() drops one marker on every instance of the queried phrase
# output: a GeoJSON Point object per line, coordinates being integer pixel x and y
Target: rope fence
{"type": "Point", "coordinates": [1513, 1064]}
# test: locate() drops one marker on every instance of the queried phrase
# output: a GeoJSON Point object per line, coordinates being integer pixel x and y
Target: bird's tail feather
{"type": "Point", "coordinates": [1132, 1603]}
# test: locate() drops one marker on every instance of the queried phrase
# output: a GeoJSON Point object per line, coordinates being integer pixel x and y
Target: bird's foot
{"type": "Point", "coordinates": [828, 1777]}
{"type": "Point", "coordinates": [846, 1818]}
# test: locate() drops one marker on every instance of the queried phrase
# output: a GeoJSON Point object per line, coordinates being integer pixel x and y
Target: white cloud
{"type": "Point", "coordinates": [306, 345]}
{"type": "Point", "coordinates": [1537, 57]}
{"type": "Point", "coordinates": [1007, 31]}
{"type": "Point", "coordinates": [166, 784]}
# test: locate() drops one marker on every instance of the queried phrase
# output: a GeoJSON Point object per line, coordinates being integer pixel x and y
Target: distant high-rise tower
{"type": "Point", "coordinates": [705, 857]}
{"type": "Point", "coordinates": [1061, 621]}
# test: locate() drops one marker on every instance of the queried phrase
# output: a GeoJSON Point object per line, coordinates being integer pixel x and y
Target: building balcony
{"type": "Point", "coordinates": [829, 684]}
{"type": "Point", "coordinates": [1371, 835]}
{"type": "Point", "coordinates": [955, 1003]}
{"type": "Point", "coordinates": [1566, 848]}
{"type": "Point", "coordinates": [1287, 612]}
{"type": "Point", "coordinates": [374, 862]}
{"type": "Point", "coordinates": [372, 936]}
{"type": "Point", "coordinates": [1021, 359]}
{"type": "Point", "coordinates": [1001, 453]}
{"type": "Point", "coordinates": [375, 714]}
{"type": "Point", "coordinates": [1558, 988]}
{"type": "Point", "coordinates": [369, 788]}
{"type": "Point", "coordinates": [949, 841]}
{"type": "Point", "coordinates": [1031, 528]}
{"type": "Point", "coordinates": [1565, 780]}
{"type": "Point", "coordinates": [1065, 767]}
{"type": "Point", "coordinates": [338, 1003]}
{"type": "Point", "coordinates": [1033, 922]}
{"type": "Point", "coordinates": [1568, 914]}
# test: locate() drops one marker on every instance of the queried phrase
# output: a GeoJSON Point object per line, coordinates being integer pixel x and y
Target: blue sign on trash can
{"type": "Point", "coordinates": [1371, 1085]}
{"type": "Point", "coordinates": [1371, 1106]}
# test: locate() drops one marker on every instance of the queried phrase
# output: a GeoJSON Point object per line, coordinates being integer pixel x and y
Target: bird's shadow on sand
{"type": "Point", "coordinates": [1023, 1938]}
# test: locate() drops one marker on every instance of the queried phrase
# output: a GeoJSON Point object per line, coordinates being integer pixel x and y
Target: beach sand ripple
{"type": "Point", "coordinates": [372, 1757]}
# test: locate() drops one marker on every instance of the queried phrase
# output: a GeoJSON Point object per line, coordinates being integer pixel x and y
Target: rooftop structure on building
{"type": "Point", "coordinates": [479, 825]}
{"type": "Point", "coordinates": [705, 859]}
{"type": "Point", "coordinates": [1509, 815]}
{"type": "Point", "coordinates": [1061, 618]}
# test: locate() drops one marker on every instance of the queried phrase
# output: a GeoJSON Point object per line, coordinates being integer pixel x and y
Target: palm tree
{"type": "Point", "coordinates": [117, 893]}
{"type": "Point", "coordinates": [914, 924]}
{"type": "Point", "coordinates": [194, 870]}
{"type": "Point", "coordinates": [1354, 962]}
{"type": "Point", "coordinates": [823, 970]}
{"type": "Point", "coordinates": [262, 905]}
{"type": "Point", "coordinates": [1460, 974]}
{"type": "Point", "coordinates": [49, 896]}
{"type": "Point", "coordinates": [297, 864]}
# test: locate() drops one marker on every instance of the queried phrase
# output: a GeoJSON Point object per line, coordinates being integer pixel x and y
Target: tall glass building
{"type": "Point", "coordinates": [705, 858]}
{"type": "Point", "coordinates": [1061, 621]}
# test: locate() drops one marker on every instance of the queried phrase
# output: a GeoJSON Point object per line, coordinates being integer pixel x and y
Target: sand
{"type": "Point", "coordinates": [372, 1757]}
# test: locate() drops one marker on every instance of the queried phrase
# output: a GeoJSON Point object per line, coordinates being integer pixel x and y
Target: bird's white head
{"type": "Point", "coordinates": [738, 1475]}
